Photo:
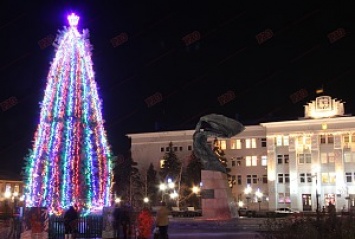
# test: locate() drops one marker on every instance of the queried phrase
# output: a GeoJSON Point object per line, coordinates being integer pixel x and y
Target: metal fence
{"type": "Point", "coordinates": [87, 227]}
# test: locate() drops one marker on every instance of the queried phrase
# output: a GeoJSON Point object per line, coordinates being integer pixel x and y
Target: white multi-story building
{"type": "Point", "coordinates": [298, 164]}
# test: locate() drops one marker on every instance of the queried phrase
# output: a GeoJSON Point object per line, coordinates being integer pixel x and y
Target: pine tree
{"type": "Point", "coordinates": [71, 160]}
{"type": "Point", "coordinates": [172, 165]}
{"type": "Point", "coordinates": [193, 170]}
{"type": "Point", "coordinates": [152, 184]}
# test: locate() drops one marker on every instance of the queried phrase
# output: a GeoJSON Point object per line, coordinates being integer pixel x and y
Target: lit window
{"type": "Point", "coordinates": [254, 160]}
{"type": "Point", "coordinates": [347, 157]}
{"type": "Point", "coordinates": [17, 188]}
{"type": "Point", "coordinates": [279, 141]}
{"type": "Point", "coordinates": [331, 157]}
{"type": "Point", "coordinates": [248, 143]}
{"type": "Point", "coordinates": [329, 198]}
{"type": "Point", "coordinates": [264, 160]}
{"type": "Point", "coordinates": [285, 140]}
{"type": "Point", "coordinates": [253, 143]}
{"type": "Point", "coordinates": [239, 144]}
{"type": "Point", "coordinates": [233, 144]}
{"type": "Point", "coordinates": [8, 188]}
{"type": "Point", "coordinates": [328, 158]}
{"type": "Point", "coordinates": [323, 157]}
{"type": "Point", "coordinates": [332, 177]}
{"type": "Point", "coordinates": [248, 161]}
{"type": "Point", "coordinates": [325, 178]}
{"type": "Point", "coordinates": [287, 198]}
{"type": "Point", "coordinates": [223, 144]}
{"type": "Point", "coordinates": [281, 198]}
{"type": "Point", "coordinates": [162, 163]}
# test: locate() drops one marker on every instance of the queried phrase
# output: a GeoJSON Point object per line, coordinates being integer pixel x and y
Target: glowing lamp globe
{"type": "Point", "coordinates": [73, 20]}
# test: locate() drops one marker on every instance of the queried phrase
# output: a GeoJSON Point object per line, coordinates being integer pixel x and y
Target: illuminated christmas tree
{"type": "Point", "coordinates": [71, 161]}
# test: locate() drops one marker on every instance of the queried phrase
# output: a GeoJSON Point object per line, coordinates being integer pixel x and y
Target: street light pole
{"type": "Point", "coordinates": [259, 195]}
{"type": "Point", "coordinates": [317, 209]}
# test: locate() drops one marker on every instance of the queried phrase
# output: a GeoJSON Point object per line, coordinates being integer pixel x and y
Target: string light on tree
{"type": "Point", "coordinates": [70, 161]}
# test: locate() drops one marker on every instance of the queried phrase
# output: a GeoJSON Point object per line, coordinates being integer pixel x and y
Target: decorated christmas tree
{"type": "Point", "coordinates": [71, 161]}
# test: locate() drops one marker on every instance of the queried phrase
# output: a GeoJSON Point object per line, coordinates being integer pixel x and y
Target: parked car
{"type": "Point", "coordinates": [285, 210]}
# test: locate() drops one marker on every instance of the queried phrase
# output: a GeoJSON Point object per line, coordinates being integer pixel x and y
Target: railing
{"type": "Point", "coordinates": [87, 227]}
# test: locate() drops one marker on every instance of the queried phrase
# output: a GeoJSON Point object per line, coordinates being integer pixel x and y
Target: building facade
{"type": "Point", "coordinates": [303, 164]}
{"type": "Point", "coordinates": [11, 193]}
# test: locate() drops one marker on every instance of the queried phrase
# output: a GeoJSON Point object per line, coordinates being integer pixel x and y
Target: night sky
{"type": "Point", "coordinates": [161, 65]}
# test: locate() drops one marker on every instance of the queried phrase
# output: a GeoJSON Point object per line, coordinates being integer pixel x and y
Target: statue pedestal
{"type": "Point", "coordinates": [216, 196]}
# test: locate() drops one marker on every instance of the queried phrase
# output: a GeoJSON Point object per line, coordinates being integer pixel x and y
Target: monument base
{"type": "Point", "coordinates": [216, 196]}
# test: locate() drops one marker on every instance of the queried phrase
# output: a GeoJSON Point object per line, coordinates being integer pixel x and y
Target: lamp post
{"type": "Point", "coordinates": [247, 192]}
{"type": "Point", "coordinates": [317, 201]}
{"type": "Point", "coordinates": [259, 195]}
{"type": "Point", "coordinates": [162, 188]}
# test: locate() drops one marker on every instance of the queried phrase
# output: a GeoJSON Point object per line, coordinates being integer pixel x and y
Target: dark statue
{"type": "Point", "coordinates": [213, 125]}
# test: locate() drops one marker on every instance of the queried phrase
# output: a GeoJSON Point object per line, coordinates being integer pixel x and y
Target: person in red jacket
{"type": "Point", "coordinates": [145, 224]}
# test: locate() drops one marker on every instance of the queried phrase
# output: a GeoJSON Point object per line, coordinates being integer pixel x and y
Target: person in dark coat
{"type": "Point", "coordinates": [117, 214]}
{"type": "Point", "coordinates": [70, 220]}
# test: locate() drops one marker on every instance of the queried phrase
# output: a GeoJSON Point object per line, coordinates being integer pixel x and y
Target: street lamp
{"type": "Point", "coordinates": [162, 188]}
{"type": "Point", "coordinates": [317, 201]}
{"type": "Point", "coordinates": [259, 195]}
{"type": "Point", "coordinates": [247, 192]}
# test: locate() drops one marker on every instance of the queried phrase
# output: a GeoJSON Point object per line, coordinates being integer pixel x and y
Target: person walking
{"type": "Point", "coordinates": [162, 221]}
{"type": "Point", "coordinates": [145, 224]}
{"type": "Point", "coordinates": [70, 220]}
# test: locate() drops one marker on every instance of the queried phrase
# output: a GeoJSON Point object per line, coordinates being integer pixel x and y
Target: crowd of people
{"type": "Point", "coordinates": [123, 217]}
{"type": "Point", "coordinates": [146, 223]}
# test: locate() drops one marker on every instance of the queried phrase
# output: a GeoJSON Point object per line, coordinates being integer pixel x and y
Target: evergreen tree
{"type": "Point", "coordinates": [193, 176]}
{"type": "Point", "coordinates": [152, 184]}
{"type": "Point", "coordinates": [71, 160]}
{"type": "Point", "coordinates": [172, 165]}
{"type": "Point", "coordinates": [193, 170]}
